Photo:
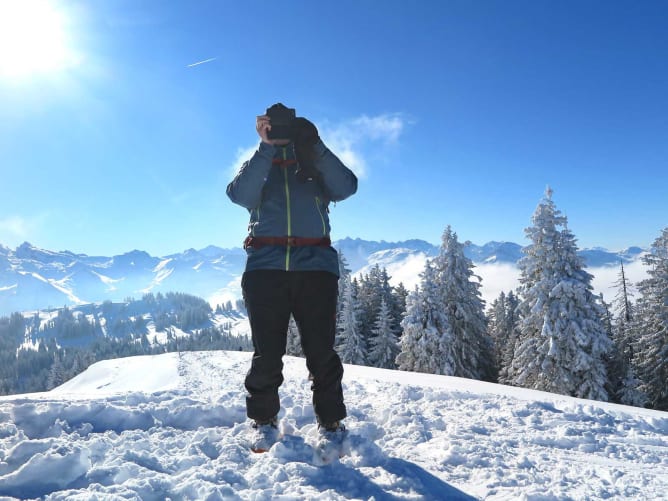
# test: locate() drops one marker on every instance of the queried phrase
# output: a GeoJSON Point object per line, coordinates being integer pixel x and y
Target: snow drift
{"type": "Point", "coordinates": [173, 426]}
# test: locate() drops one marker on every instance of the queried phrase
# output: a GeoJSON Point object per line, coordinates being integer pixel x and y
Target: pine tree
{"type": "Point", "coordinates": [374, 288]}
{"type": "Point", "coordinates": [466, 349]}
{"type": "Point", "coordinates": [651, 347]}
{"type": "Point", "coordinates": [293, 344]}
{"type": "Point", "coordinates": [623, 380]}
{"type": "Point", "coordinates": [496, 320]}
{"type": "Point", "coordinates": [350, 344]}
{"type": "Point", "coordinates": [609, 357]}
{"type": "Point", "coordinates": [622, 303]}
{"type": "Point", "coordinates": [384, 346]}
{"type": "Point", "coordinates": [562, 343]}
{"type": "Point", "coordinates": [630, 389]}
{"type": "Point", "coordinates": [607, 316]}
{"type": "Point", "coordinates": [75, 368]}
{"type": "Point", "coordinates": [56, 373]}
{"type": "Point", "coordinates": [502, 329]}
{"type": "Point", "coordinates": [344, 277]}
{"type": "Point", "coordinates": [444, 330]}
{"type": "Point", "coordinates": [423, 327]}
{"type": "Point", "coordinates": [398, 307]}
{"type": "Point", "coordinates": [507, 336]}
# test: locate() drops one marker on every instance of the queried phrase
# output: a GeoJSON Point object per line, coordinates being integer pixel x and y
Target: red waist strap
{"type": "Point", "coordinates": [283, 163]}
{"type": "Point", "coordinates": [257, 242]}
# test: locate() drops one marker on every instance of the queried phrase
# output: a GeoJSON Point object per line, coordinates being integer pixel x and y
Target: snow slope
{"type": "Point", "coordinates": [171, 426]}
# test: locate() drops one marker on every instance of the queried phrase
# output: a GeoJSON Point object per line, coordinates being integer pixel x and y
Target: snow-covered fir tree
{"type": "Point", "coordinates": [344, 277]}
{"type": "Point", "coordinates": [445, 331]}
{"type": "Point", "coordinates": [630, 389]}
{"type": "Point", "coordinates": [384, 345]}
{"type": "Point", "coordinates": [502, 328]}
{"type": "Point", "coordinates": [623, 302]}
{"type": "Point", "coordinates": [423, 327]}
{"type": "Point", "coordinates": [400, 294]}
{"type": "Point", "coordinates": [467, 349]}
{"type": "Point", "coordinates": [624, 383]}
{"type": "Point", "coordinates": [650, 357]}
{"type": "Point", "coordinates": [496, 320]}
{"type": "Point", "coordinates": [607, 315]}
{"type": "Point", "coordinates": [350, 344]}
{"type": "Point", "coordinates": [56, 374]}
{"type": "Point", "coordinates": [293, 345]}
{"type": "Point", "coordinates": [562, 345]}
{"type": "Point", "coordinates": [374, 288]}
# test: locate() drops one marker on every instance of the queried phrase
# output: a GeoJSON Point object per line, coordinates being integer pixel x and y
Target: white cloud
{"type": "Point", "coordinates": [497, 278]}
{"type": "Point", "coordinates": [383, 127]}
{"type": "Point", "coordinates": [241, 155]}
{"type": "Point", "coordinates": [606, 276]}
{"type": "Point", "coordinates": [17, 229]}
{"type": "Point", "coordinates": [406, 271]}
{"type": "Point", "coordinates": [349, 155]}
{"type": "Point", "coordinates": [350, 139]}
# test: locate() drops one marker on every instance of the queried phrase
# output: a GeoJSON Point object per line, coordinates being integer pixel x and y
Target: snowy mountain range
{"type": "Point", "coordinates": [174, 426]}
{"type": "Point", "coordinates": [33, 278]}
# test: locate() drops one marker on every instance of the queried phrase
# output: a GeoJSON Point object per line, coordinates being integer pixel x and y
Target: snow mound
{"type": "Point", "coordinates": [174, 426]}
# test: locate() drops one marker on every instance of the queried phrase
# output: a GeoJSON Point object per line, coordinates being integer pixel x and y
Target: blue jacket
{"type": "Point", "coordinates": [280, 205]}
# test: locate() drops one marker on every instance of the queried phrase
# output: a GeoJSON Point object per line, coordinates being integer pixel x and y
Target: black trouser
{"type": "Point", "coordinates": [270, 297]}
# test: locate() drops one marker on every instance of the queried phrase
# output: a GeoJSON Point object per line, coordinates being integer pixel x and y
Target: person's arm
{"type": "Point", "coordinates": [246, 187]}
{"type": "Point", "coordinates": [339, 181]}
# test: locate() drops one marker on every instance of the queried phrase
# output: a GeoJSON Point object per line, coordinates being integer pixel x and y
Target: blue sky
{"type": "Point", "coordinates": [112, 138]}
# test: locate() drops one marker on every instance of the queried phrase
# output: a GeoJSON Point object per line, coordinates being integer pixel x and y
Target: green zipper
{"type": "Point", "coordinates": [317, 206]}
{"type": "Point", "coordinates": [257, 220]}
{"type": "Point", "coordinates": [287, 199]}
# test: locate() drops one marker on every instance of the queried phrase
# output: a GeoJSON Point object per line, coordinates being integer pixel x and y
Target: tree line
{"type": "Point", "coordinates": [552, 334]}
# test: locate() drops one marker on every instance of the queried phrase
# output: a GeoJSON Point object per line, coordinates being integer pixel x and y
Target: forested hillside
{"type": "Point", "coordinates": [42, 350]}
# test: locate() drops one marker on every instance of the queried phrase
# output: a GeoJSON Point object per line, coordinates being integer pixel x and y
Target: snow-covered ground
{"type": "Point", "coordinates": [171, 426]}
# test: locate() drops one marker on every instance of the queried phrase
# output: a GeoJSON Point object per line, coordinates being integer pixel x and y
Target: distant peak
{"type": "Point", "coordinates": [137, 252]}
{"type": "Point", "coordinates": [25, 250]}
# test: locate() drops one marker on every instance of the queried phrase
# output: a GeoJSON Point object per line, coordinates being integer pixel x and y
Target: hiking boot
{"type": "Point", "coordinates": [334, 427]}
{"type": "Point", "coordinates": [332, 443]}
{"type": "Point", "coordinates": [264, 434]}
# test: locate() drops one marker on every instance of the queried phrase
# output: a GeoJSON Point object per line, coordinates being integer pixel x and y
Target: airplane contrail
{"type": "Point", "coordinates": [202, 62]}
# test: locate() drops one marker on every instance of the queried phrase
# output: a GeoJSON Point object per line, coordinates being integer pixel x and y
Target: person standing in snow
{"type": "Point", "coordinates": [291, 267]}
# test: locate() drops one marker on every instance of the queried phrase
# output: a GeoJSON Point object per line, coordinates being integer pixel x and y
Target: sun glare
{"type": "Point", "coordinates": [33, 38]}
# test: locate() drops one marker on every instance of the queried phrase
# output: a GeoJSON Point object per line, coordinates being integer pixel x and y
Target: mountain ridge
{"type": "Point", "coordinates": [33, 278]}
